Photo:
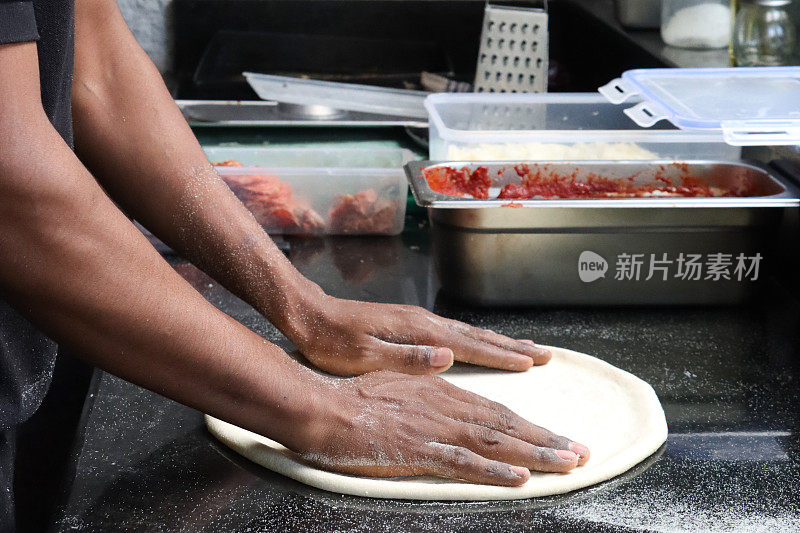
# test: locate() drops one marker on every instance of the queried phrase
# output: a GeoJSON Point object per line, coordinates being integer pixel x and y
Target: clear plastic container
{"type": "Point", "coordinates": [696, 24]}
{"type": "Point", "coordinates": [290, 156]}
{"type": "Point", "coordinates": [311, 191]}
{"type": "Point", "coordinates": [555, 126]}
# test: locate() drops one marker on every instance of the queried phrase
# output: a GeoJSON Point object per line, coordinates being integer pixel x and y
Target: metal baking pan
{"type": "Point", "coordinates": [631, 251]}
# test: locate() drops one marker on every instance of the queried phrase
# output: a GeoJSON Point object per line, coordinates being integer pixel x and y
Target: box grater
{"type": "Point", "coordinates": [513, 53]}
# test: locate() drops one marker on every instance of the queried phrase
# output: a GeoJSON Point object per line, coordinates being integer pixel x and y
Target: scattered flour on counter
{"type": "Point", "coordinates": [548, 151]}
{"type": "Point", "coordinates": [674, 517]}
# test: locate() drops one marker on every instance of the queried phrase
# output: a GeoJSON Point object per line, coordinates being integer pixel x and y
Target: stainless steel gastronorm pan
{"type": "Point", "coordinates": [629, 251]}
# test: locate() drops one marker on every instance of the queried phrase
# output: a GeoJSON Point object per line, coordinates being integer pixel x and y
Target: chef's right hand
{"type": "Point", "coordinates": [389, 424]}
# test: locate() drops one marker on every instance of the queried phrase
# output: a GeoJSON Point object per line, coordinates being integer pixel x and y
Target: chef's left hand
{"type": "Point", "coordinates": [346, 337]}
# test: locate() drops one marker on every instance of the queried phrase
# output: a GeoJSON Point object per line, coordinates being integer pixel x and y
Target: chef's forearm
{"type": "Point", "coordinates": [78, 269]}
{"type": "Point", "coordinates": [134, 139]}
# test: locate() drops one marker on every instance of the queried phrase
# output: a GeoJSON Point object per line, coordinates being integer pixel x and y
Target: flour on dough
{"type": "Point", "coordinates": [614, 413]}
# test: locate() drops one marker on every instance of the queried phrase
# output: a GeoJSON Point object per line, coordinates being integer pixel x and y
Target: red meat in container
{"type": "Point", "coordinates": [275, 206]}
{"type": "Point", "coordinates": [362, 212]}
{"type": "Point", "coordinates": [272, 202]}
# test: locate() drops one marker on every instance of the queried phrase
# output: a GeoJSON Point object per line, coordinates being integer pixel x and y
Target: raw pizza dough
{"type": "Point", "coordinates": [614, 413]}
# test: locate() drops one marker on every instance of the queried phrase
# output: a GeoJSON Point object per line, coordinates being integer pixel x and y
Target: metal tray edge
{"type": "Point", "coordinates": [426, 197]}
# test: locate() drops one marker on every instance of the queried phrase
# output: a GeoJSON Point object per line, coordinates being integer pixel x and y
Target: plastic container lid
{"type": "Point", "coordinates": [750, 105]}
{"type": "Point", "coordinates": [347, 96]}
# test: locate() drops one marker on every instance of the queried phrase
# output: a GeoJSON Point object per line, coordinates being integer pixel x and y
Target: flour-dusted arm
{"type": "Point", "coordinates": [77, 268]}
{"type": "Point", "coordinates": [133, 138]}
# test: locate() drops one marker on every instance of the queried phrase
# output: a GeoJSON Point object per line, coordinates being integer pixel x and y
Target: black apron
{"type": "Point", "coordinates": [27, 356]}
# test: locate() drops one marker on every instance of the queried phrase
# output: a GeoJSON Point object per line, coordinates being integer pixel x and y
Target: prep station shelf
{"type": "Point", "coordinates": [727, 377]}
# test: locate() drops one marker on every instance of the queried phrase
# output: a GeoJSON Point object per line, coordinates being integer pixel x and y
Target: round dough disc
{"type": "Point", "coordinates": [614, 413]}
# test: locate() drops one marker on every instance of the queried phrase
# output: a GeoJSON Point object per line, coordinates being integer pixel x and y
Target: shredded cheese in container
{"type": "Point", "coordinates": [549, 152]}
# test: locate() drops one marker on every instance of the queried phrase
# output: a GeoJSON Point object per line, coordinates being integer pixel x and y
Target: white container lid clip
{"type": "Point", "coordinates": [752, 106]}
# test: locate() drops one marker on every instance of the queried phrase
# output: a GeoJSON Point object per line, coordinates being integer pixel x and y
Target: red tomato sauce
{"type": "Point", "coordinates": [540, 183]}
{"type": "Point", "coordinates": [460, 182]}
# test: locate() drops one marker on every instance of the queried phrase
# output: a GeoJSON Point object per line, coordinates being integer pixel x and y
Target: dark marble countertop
{"type": "Point", "coordinates": [727, 377]}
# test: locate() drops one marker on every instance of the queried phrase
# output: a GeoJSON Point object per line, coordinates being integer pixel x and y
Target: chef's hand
{"type": "Point", "coordinates": [389, 424]}
{"type": "Point", "coordinates": [346, 337]}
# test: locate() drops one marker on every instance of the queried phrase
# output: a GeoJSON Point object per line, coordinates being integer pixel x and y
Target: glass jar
{"type": "Point", "coordinates": [698, 24]}
{"type": "Point", "coordinates": [764, 34]}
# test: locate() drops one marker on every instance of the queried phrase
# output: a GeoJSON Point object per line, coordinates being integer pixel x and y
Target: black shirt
{"type": "Point", "coordinates": [27, 356]}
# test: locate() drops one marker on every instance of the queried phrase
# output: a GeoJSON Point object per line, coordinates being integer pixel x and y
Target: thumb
{"type": "Point", "coordinates": [414, 359]}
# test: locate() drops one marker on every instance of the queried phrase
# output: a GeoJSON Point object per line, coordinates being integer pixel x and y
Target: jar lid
{"type": "Point", "coordinates": [773, 3]}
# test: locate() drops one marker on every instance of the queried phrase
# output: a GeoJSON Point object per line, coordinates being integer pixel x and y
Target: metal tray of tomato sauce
{"type": "Point", "coordinates": [641, 250]}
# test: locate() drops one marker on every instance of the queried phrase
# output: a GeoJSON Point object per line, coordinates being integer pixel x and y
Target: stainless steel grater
{"type": "Point", "coordinates": [513, 53]}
